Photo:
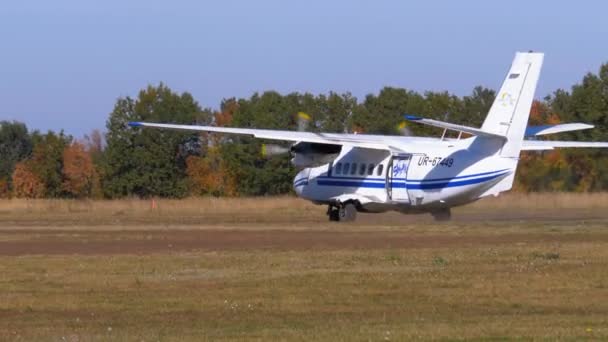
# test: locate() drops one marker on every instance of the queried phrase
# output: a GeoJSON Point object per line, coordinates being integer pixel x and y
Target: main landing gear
{"type": "Point", "coordinates": [342, 212]}
{"type": "Point", "coordinates": [442, 215]}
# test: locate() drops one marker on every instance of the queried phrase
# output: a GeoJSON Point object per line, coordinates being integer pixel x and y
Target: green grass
{"type": "Point", "coordinates": [486, 292]}
{"type": "Point", "coordinates": [541, 278]}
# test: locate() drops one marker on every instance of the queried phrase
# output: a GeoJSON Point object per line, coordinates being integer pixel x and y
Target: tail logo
{"type": "Point", "coordinates": [506, 99]}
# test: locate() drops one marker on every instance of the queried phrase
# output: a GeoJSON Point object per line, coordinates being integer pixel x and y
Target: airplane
{"type": "Point", "coordinates": [353, 173]}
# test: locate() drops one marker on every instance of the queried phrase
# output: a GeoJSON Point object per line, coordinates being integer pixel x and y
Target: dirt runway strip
{"type": "Point", "coordinates": [90, 242]}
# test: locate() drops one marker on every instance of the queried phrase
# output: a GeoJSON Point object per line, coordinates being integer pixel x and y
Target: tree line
{"type": "Point", "coordinates": [125, 162]}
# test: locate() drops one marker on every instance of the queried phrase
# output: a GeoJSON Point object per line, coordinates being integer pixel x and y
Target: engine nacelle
{"type": "Point", "coordinates": [313, 154]}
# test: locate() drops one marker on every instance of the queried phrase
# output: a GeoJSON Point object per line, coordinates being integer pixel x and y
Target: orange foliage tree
{"type": "Point", "coordinates": [79, 174]}
{"type": "Point", "coordinates": [544, 171]}
{"type": "Point", "coordinates": [4, 188]}
{"type": "Point", "coordinates": [26, 183]}
{"type": "Point", "coordinates": [209, 175]}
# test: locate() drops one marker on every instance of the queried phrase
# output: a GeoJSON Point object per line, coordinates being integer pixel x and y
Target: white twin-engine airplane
{"type": "Point", "coordinates": [377, 173]}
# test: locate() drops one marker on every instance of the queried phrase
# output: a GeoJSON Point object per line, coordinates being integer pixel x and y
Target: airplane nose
{"type": "Point", "coordinates": [298, 189]}
{"type": "Point", "coordinates": [299, 182]}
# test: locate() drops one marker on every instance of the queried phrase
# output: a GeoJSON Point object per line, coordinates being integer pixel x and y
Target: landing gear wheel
{"type": "Point", "coordinates": [348, 212]}
{"type": "Point", "coordinates": [333, 213]}
{"type": "Point", "coordinates": [442, 215]}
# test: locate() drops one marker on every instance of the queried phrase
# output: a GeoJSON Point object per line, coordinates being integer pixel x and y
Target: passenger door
{"type": "Point", "coordinates": [396, 177]}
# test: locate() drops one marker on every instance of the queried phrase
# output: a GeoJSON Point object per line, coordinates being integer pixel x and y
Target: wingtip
{"type": "Point", "coordinates": [135, 124]}
{"type": "Point", "coordinates": [412, 117]}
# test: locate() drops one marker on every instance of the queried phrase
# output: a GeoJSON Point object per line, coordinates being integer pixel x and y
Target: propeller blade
{"type": "Point", "coordinates": [303, 121]}
{"type": "Point", "coordinates": [269, 150]}
{"type": "Point", "coordinates": [404, 129]}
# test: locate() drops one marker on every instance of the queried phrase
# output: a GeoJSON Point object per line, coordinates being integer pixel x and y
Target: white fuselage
{"type": "Point", "coordinates": [432, 175]}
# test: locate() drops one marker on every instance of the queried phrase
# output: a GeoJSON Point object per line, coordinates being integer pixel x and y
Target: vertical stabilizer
{"type": "Point", "coordinates": [511, 108]}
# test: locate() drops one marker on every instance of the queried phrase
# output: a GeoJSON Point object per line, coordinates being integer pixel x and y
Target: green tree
{"type": "Point", "coordinates": [335, 112]}
{"type": "Point", "coordinates": [382, 114]}
{"type": "Point", "coordinates": [47, 161]}
{"type": "Point", "coordinates": [587, 102]}
{"type": "Point", "coordinates": [142, 162]}
{"type": "Point", "coordinates": [476, 106]}
{"type": "Point", "coordinates": [254, 173]}
{"type": "Point", "coordinates": [15, 145]}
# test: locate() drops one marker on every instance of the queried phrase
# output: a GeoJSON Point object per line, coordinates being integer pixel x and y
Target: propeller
{"type": "Point", "coordinates": [404, 129]}
{"type": "Point", "coordinates": [303, 121]}
{"type": "Point", "coordinates": [269, 150]}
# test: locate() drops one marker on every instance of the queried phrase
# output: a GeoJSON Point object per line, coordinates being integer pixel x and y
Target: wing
{"type": "Point", "coordinates": [354, 140]}
{"type": "Point", "coordinates": [454, 127]}
{"type": "Point", "coordinates": [552, 129]}
{"type": "Point", "coordinates": [538, 145]}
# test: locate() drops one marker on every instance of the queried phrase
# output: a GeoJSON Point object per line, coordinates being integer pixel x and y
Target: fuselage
{"type": "Point", "coordinates": [431, 175]}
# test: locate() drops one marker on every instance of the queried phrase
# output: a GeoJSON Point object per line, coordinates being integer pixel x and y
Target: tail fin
{"type": "Point", "coordinates": [511, 108]}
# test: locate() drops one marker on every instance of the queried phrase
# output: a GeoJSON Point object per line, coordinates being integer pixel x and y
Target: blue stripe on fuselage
{"type": "Point", "coordinates": [300, 182]}
{"type": "Point", "coordinates": [457, 177]}
{"type": "Point", "coordinates": [413, 184]}
{"type": "Point", "coordinates": [352, 183]}
{"type": "Point", "coordinates": [449, 184]}
{"type": "Point", "coordinates": [374, 179]}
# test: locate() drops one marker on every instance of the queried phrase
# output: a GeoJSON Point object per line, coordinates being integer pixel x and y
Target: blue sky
{"type": "Point", "coordinates": [64, 63]}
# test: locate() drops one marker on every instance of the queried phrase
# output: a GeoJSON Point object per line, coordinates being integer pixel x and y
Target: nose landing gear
{"type": "Point", "coordinates": [343, 212]}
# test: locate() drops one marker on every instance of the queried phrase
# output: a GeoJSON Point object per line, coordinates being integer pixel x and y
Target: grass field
{"type": "Point", "coordinates": [515, 267]}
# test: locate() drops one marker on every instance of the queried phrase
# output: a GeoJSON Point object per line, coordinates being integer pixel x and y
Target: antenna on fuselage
{"type": "Point", "coordinates": [445, 130]}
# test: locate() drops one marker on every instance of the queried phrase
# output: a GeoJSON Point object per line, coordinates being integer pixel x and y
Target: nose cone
{"type": "Point", "coordinates": [300, 181]}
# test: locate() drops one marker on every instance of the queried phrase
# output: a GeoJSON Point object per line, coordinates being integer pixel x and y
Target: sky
{"type": "Point", "coordinates": [63, 63]}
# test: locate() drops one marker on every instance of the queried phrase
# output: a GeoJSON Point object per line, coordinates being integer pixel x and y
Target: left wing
{"type": "Point", "coordinates": [354, 140]}
{"type": "Point", "coordinates": [543, 145]}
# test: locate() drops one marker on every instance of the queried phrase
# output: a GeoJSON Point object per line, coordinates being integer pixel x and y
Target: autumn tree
{"type": "Point", "coordinates": [94, 143]}
{"type": "Point", "coordinates": [26, 183]}
{"type": "Point", "coordinates": [209, 175]}
{"type": "Point", "coordinates": [587, 101]}
{"type": "Point", "coordinates": [79, 175]}
{"type": "Point", "coordinates": [542, 171]}
{"type": "Point", "coordinates": [46, 162]}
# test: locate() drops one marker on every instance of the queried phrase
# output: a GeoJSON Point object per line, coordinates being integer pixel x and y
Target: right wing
{"type": "Point", "coordinates": [542, 145]}
{"type": "Point", "coordinates": [354, 140]}
{"type": "Point", "coordinates": [552, 129]}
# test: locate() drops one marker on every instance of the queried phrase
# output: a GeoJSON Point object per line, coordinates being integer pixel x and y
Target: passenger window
{"type": "Point", "coordinates": [370, 169]}
{"type": "Point", "coordinates": [380, 169]}
{"type": "Point", "coordinates": [345, 168]}
{"type": "Point", "coordinates": [338, 168]}
{"type": "Point", "coordinates": [353, 168]}
{"type": "Point", "coordinates": [362, 170]}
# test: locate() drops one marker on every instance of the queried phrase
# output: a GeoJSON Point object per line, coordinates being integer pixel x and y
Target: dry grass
{"type": "Point", "coordinates": [189, 211]}
{"type": "Point", "coordinates": [212, 205]}
{"type": "Point", "coordinates": [544, 201]}
{"type": "Point", "coordinates": [194, 205]}
{"type": "Point", "coordinates": [285, 209]}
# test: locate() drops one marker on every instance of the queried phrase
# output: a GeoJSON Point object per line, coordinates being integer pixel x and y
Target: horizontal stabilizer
{"type": "Point", "coordinates": [552, 129]}
{"type": "Point", "coordinates": [454, 127]}
{"type": "Point", "coordinates": [543, 145]}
